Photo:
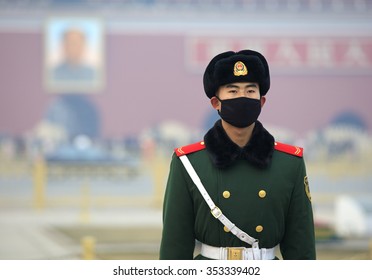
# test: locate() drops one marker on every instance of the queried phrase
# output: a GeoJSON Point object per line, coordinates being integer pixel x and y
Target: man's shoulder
{"type": "Point", "coordinates": [191, 148]}
{"type": "Point", "coordinates": [289, 149]}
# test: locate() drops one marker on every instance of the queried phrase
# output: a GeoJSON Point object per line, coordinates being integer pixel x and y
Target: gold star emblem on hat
{"type": "Point", "coordinates": [240, 69]}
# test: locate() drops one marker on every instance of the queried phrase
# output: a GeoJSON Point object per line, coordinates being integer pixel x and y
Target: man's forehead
{"type": "Point", "coordinates": [242, 85]}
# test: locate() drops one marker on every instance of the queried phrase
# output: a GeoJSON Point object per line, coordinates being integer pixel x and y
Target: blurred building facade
{"type": "Point", "coordinates": [320, 53]}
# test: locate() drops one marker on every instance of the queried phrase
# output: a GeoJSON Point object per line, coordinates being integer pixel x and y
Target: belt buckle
{"type": "Point", "coordinates": [216, 212]}
{"type": "Point", "coordinates": [235, 253]}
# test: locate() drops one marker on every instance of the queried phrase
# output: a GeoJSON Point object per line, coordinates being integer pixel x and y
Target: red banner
{"type": "Point", "coordinates": [333, 55]}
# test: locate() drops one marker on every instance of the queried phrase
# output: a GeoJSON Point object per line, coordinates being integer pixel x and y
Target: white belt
{"type": "Point", "coordinates": [236, 253]}
{"type": "Point", "coordinates": [216, 212]}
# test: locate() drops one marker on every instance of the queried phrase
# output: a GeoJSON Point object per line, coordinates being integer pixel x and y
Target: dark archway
{"type": "Point", "coordinates": [75, 113]}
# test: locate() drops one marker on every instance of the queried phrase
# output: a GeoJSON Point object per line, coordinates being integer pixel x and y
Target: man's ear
{"type": "Point", "coordinates": [263, 101]}
{"type": "Point", "coordinates": [216, 104]}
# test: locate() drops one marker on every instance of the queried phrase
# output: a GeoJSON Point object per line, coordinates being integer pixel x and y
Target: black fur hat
{"type": "Point", "coordinates": [234, 67]}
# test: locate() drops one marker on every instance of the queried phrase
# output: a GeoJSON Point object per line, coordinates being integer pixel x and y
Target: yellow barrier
{"type": "Point", "coordinates": [39, 178]}
{"type": "Point", "coordinates": [159, 170]}
{"type": "Point", "coordinates": [88, 244]}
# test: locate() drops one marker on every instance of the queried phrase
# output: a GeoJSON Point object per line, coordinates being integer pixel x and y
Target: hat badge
{"type": "Point", "coordinates": [240, 69]}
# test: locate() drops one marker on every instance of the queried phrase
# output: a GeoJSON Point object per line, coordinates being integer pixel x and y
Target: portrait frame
{"type": "Point", "coordinates": [74, 59]}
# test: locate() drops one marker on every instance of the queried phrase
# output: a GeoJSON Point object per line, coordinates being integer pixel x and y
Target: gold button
{"type": "Point", "coordinates": [259, 228]}
{"type": "Point", "coordinates": [202, 143]}
{"type": "Point", "coordinates": [226, 229]}
{"type": "Point", "coordinates": [262, 193]}
{"type": "Point", "coordinates": [226, 194]}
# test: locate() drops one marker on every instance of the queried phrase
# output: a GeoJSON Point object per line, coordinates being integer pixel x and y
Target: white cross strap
{"type": "Point", "coordinates": [216, 212]}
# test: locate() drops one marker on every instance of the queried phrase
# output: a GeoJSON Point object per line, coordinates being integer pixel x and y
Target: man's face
{"type": "Point", "coordinates": [243, 93]}
{"type": "Point", "coordinates": [74, 44]}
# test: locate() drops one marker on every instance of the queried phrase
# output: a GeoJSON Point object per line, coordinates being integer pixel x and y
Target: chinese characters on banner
{"type": "Point", "coordinates": [325, 55]}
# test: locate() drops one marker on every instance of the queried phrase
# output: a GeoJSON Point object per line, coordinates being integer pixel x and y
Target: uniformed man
{"type": "Point", "coordinates": [238, 193]}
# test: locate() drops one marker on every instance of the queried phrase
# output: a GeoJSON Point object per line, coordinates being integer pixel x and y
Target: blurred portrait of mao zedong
{"type": "Point", "coordinates": [75, 58]}
{"type": "Point", "coordinates": [73, 67]}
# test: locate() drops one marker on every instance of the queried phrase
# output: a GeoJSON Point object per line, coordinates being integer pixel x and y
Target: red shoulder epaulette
{"type": "Point", "coordinates": [289, 149]}
{"type": "Point", "coordinates": [190, 148]}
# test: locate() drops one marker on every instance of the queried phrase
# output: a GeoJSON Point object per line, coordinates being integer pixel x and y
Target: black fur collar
{"type": "Point", "coordinates": [224, 152]}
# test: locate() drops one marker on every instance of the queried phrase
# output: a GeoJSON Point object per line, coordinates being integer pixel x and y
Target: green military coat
{"type": "Point", "coordinates": [260, 188]}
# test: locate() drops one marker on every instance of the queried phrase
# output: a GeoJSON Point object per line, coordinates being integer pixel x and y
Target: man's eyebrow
{"type": "Point", "coordinates": [251, 85]}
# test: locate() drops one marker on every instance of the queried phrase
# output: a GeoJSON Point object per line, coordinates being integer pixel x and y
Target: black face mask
{"type": "Point", "coordinates": [240, 112]}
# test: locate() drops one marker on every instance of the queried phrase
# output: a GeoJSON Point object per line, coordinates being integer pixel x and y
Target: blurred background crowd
{"type": "Point", "coordinates": [95, 95]}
